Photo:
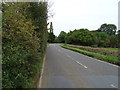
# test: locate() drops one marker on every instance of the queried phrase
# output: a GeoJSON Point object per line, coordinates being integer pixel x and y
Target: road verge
{"type": "Point", "coordinates": [110, 59]}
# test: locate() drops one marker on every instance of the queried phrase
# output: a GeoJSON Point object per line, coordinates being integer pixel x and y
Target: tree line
{"type": "Point", "coordinates": [24, 40]}
{"type": "Point", "coordinates": [106, 36]}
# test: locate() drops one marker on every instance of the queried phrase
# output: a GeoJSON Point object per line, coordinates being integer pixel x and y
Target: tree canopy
{"type": "Point", "coordinates": [62, 36]}
{"type": "Point", "coordinates": [105, 36]}
{"type": "Point", "coordinates": [51, 36]}
{"type": "Point", "coordinates": [109, 28]}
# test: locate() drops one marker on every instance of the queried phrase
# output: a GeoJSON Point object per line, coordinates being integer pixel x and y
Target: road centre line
{"type": "Point", "coordinates": [105, 62]}
{"type": "Point", "coordinates": [73, 59]}
{"type": "Point", "coordinates": [81, 64]}
{"type": "Point", "coordinates": [68, 56]}
{"type": "Point", "coordinates": [76, 61]}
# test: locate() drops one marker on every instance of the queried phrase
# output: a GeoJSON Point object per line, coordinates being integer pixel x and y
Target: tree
{"type": "Point", "coordinates": [103, 28]}
{"type": "Point", "coordinates": [81, 37]}
{"type": "Point", "coordinates": [51, 36]}
{"type": "Point", "coordinates": [100, 39]}
{"type": "Point", "coordinates": [62, 37]}
{"type": "Point", "coordinates": [113, 41]}
{"type": "Point", "coordinates": [118, 36]}
{"type": "Point", "coordinates": [109, 28]}
{"type": "Point", "coordinates": [118, 32]}
{"type": "Point", "coordinates": [51, 28]}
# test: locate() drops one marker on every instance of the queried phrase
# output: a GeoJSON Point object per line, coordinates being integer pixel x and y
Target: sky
{"type": "Point", "coordinates": [77, 14]}
{"type": "Point", "coordinates": [119, 16]}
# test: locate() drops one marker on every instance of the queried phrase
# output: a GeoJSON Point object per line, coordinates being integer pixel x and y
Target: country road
{"type": "Point", "coordinates": [64, 68]}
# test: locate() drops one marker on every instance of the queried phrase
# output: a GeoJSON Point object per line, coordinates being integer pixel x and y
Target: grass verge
{"type": "Point", "coordinates": [110, 59]}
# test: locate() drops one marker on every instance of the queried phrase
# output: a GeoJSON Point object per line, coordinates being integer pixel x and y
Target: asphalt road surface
{"type": "Point", "coordinates": [64, 68]}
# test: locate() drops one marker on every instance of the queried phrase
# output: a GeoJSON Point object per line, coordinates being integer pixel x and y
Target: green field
{"type": "Point", "coordinates": [107, 58]}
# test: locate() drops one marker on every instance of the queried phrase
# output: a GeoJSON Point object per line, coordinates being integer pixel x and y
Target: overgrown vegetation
{"type": "Point", "coordinates": [105, 51]}
{"type": "Point", "coordinates": [24, 39]}
{"type": "Point", "coordinates": [105, 36]}
{"type": "Point", "coordinates": [109, 58]}
{"type": "Point", "coordinates": [94, 43]}
{"type": "Point", "coordinates": [51, 36]}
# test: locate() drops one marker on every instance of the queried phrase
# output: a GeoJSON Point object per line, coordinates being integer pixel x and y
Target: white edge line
{"type": "Point", "coordinates": [105, 62]}
{"type": "Point", "coordinates": [113, 86]}
{"type": "Point", "coordinates": [40, 80]}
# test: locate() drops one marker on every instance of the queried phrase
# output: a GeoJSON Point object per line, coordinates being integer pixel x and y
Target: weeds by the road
{"type": "Point", "coordinates": [104, 51]}
{"type": "Point", "coordinates": [108, 58]}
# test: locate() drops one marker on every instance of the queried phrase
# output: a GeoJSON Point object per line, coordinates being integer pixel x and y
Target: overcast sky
{"type": "Point", "coordinates": [76, 14]}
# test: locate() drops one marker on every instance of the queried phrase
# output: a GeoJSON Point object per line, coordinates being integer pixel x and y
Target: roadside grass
{"type": "Point", "coordinates": [112, 49]}
{"type": "Point", "coordinates": [104, 51]}
{"type": "Point", "coordinates": [110, 59]}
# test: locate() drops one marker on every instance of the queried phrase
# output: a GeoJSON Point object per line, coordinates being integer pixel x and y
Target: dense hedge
{"type": "Point", "coordinates": [24, 42]}
{"type": "Point", "coordinates": [89, 38]}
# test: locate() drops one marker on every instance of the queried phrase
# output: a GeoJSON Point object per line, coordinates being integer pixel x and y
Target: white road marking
{"type": "Point", "coordinates": [68, 56]}
{"type": "Point", "coordinates": [76, 61]}
{"type": "Point", "coordinates": [107, 63]}
{"type": "Point", "coordinates": [113, 86]}
{"type": "Point", "coordinates": [104, 62]}
{"type": "Point", "coordinates": [81, 64]}
{"type": "Point", "coordinates": [41, 76]}
{"type": "Point", "coordinates": [72, 59]}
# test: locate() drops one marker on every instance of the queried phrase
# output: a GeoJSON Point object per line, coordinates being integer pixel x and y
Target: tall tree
{"type": "Point", "coordinates": [62, 37]}
{"type": "Point", "coordinates": [51, 28]}
{"type": "Point", "coordinates": [39, 13]}
{"type": "Point", "coordinates": [109, 28]}
{"type": "Point", "coordinates": [82, 37]}
{"type": "Point", "coordinates": [51, 37]}
{"type": "Point", "coordinates": [100, 39]}
{"type": "Point", "coordinates": [118, 37]}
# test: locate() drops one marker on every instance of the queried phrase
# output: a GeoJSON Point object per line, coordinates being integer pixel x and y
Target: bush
{"type": "Point", "coordinates": [21, 44]}
{"type": "Point", "coordinates": [95, 46]}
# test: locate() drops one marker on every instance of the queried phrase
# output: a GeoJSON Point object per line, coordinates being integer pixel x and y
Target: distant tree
{"type": "Point", "coordinates": [81, 36]}
{"type": "Point", "coordinates": [51, 28]}
{"type": "Point", "coordinates": [118, 32]}
{"type": "Point", "coordinates": [51, 36]}
{"type": "Point", "coordinates": [103, 28]}
{"type": "Point", "coordinates": [62, 37]}
{"type": "Point", "coordinates": [113, 41]}
{"type": "Point", "coordinates": [38, 12]}
{"type": "Point", "coordinates": [56, 39]}
{"type": "Point", "coordinates": [100, 39]}
{"type": "Point", "coordinates": [118, 38]}
{"type": "Point", "coordinates": [109, 28]}
{"type": "Point", "coordinates": [112, 29]}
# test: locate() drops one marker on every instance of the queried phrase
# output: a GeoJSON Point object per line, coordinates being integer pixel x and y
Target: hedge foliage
{"type": "Point", "coordinates": [85, 37]}
{"type": "Point", "coordinates": [24, 39]}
